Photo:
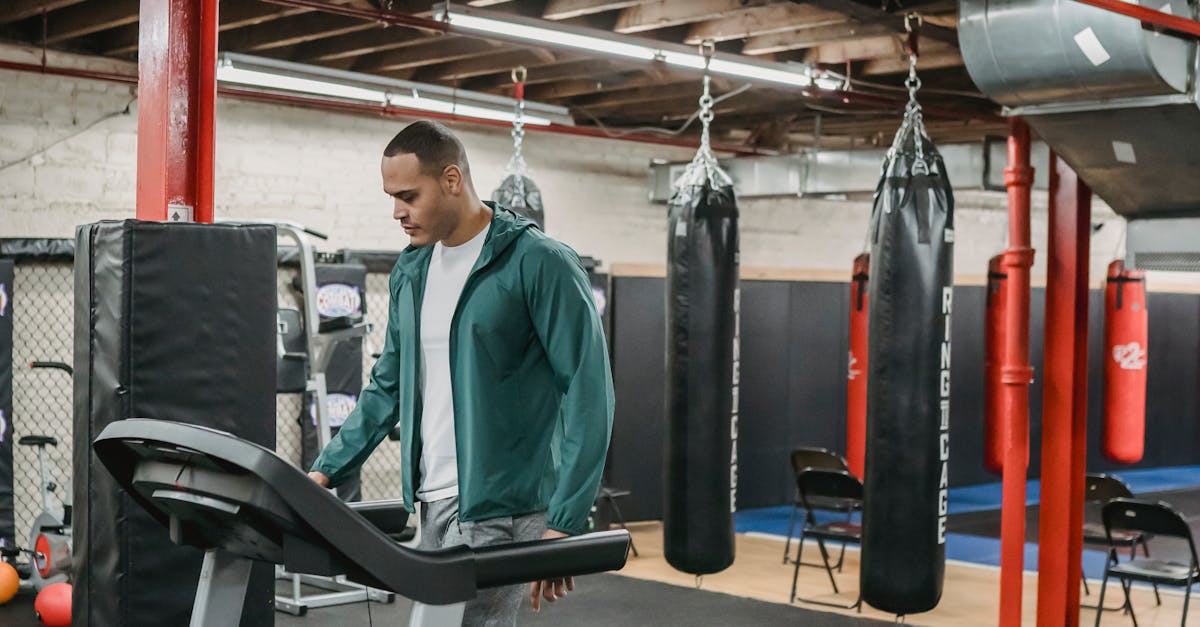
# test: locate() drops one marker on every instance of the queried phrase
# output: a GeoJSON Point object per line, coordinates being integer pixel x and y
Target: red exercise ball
{"type": "Point", "coordinates": [9, 582]}
{"type": "Point", "coordinates": [53, 605]}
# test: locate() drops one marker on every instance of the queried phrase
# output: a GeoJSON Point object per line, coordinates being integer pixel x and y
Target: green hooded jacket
{"type": "Point", "coordinates": [529, 369]}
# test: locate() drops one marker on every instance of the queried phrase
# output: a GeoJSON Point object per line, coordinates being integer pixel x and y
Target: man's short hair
{"type": "Point", "coordinates": [433, 144]}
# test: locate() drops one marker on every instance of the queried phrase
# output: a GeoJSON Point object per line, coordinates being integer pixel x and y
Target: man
{"type": "Point", "coordinates": [495, 367]}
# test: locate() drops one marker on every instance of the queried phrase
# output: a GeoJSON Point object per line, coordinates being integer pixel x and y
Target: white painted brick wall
{"type": "Point", "coordinates": [322, 169]}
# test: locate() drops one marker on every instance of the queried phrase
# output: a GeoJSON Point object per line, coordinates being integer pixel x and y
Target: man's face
{"type": "Point", "coordinates": [422, 202]}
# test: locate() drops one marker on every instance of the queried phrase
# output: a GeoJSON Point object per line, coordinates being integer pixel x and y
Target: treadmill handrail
{"type": "Point", "coordinates": [435, 577]}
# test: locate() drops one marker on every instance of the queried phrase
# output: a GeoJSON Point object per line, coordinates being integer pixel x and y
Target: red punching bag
{"type": "Point", "coordinates": [994, 335]}
{"type": "Point", "coordinates": [856, 386]}
{"type": "Point", "coordinates": [1126, 334]}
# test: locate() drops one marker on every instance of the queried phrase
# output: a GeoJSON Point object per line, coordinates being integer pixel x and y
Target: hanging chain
{"type": "Point", "coordinates": [704, 166]}
{"type": "Point", "coordinates": [706, 101]}
{"type": "Point", "coordinates": [517, 165]}
{"type": "Point", "coordinates": [914, 121]}
{"type": "Point", "coordinates": [706, 117]}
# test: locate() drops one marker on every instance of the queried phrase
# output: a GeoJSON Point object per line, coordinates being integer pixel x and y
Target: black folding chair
{"type": "Point", "coordinates": [818, 485]}
{"type": "Point", "coordinates": [1100, 488]}
{"type": "Point", "coordinates": [802, 459]}
{"type": "Point", "coordinates": [610, 495]}
{"type": "Point", "coordinates": [1147, 517]}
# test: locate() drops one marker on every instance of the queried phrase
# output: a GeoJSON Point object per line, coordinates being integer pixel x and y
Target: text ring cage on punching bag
{"type": "Point", "coordinates": [517, 191]}
{"type": "Point", "coordinates": [701, 361]}
{"type": "Point", "coordinates": [908, 383]}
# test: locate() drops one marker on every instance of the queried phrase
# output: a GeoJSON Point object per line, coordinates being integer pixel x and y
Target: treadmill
{"type": "Point", "coordinates": [240, 503]}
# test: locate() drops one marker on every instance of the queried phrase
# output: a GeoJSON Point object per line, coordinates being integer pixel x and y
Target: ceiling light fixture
{"type": "Point", "coordinates": [517, 28]}
{"type": "Point", "coordinates": [320, 81]}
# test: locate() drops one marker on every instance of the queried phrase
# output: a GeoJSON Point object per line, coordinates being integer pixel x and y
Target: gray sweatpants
{"type": "Point", "coordinates": [440, 527]}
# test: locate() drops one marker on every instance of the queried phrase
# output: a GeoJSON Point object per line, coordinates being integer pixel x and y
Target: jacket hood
{"type": "Point", "coordinates": [505, 228]}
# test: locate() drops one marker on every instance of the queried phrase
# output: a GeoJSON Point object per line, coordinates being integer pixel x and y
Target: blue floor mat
{"type": "Point", "coordinates": [985, 497]}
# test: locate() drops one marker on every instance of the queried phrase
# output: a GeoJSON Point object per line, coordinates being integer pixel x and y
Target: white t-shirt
{"type": "Point", "coordinates": [449, 268]}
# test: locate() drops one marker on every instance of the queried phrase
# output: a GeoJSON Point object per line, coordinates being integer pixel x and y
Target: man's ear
{"type": "Point", "coordinates": [452, 180]}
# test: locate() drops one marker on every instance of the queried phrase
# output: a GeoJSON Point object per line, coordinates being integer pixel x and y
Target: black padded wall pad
{"type": "Point", "coordinates": [7, 523]}
{"type": "Point", "coordinates": [172, 321]}
{"type": "Point", "coordinates": [794, 340]}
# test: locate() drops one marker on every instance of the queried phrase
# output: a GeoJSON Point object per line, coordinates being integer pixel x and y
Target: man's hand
{"type": "Point", "coordinates": [550, 589]}
{"type": "Point", "coordinates": [319, 478]}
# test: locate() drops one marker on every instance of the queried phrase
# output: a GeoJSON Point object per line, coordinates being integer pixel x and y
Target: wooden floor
{"type": "Point", "coordinates": [970, 597]}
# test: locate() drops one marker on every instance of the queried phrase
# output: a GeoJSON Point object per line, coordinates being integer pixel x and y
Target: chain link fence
{"type": "Point", "coordinates": [43, 328]}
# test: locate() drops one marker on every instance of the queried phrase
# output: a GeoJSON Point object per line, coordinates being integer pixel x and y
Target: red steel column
{"type": "Point", "coordinates": [177, 94]}
{"type": "Point", "coordinates": [1064, 400]}
{"type": "Point", "coordinates": [1015, 374]}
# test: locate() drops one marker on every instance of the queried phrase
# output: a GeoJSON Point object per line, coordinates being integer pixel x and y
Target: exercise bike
{"type": "Point", "coordinates": [49, 547]}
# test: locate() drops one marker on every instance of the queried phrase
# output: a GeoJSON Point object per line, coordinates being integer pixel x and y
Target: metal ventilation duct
{"type": "Point", "coordinates": [836, 172]}
{"type": "Point", "coordinates": [1164, 244]}
{"type": "Point", "coordinates": [1116, 101]}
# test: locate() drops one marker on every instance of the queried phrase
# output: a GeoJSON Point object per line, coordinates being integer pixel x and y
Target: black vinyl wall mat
{"type": "Point", "coordinates": [172, 322]}
{"type": "Point", "coordinates": [795, 340]}
{"type": "Point", "coordinates": [7, 524]}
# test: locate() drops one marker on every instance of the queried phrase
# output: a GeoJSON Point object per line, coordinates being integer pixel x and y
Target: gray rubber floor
{"type": "Point", "coordinates": [610, 600]}
{"type": "Point", "coordinates": [598, 600]}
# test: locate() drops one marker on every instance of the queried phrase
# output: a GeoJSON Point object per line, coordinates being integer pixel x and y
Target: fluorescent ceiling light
{"type": "Point", "coordinates": [458, 108]}
{"type": "Point", "coordinates": [285, 75]}
{"type": "Point", "coordinates": [521, 29]}
{"type": "Point", "coordinates": [230, 74]}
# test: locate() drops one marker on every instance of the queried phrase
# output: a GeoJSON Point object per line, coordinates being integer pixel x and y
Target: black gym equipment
{"type": "Point", "coordinates": [241, 503]}
{"type": "Point", "coordinates": [908, 375]}
{"type": "Point", "coordinates": [702, 365]}
{"type": "Point", "coordinates": [175, 320]}
{"type": "Point", "coordinates": [8, 526]}
{"type": "Point", "coordinates": [49, 540]}
{"type": "Point", "coordinates": [319, 354]}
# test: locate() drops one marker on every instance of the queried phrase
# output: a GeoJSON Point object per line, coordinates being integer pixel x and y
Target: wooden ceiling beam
{"type": "Point", "coordinates": [17, 10]}
{"type": "Point", "coordinates": [804, 38]}
{"type": "Point", "coordinates": [761, 21]}
{"type": "Point", "coordinates": [865, 13]}
{"type": "Point", "coordinates": [645, 96]}
{"type": "Point", "coordinates": [929, 60]}
{"type": "Point", "coordinates": [568, 9]}
{"type": "Point", "coordinates": [488, 62]}
{"type": "Point", "coordinates": [559, 90]}
{"type": "Point", "coordinates": [546, 74]}
{"type": "Point", "coordinates": [292, 30]}
{"type": "Point", "coordinates": [841, 51]}
{"type": "Point", "coordinates": [124, 40]}
{"type": "Point", "coordinates": [664, 13]}
{"type": "Point", "coordinates": [357, 44]}
{"type": "Point", "coordinates": [448, 48]}
{"type": "Point", "coordinates": [89, 17]}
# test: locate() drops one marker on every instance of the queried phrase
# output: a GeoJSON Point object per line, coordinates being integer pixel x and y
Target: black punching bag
{"type": "Point", "coordinates": [702, 370]}
{"type": "Point", "coordinates": [908, 382]}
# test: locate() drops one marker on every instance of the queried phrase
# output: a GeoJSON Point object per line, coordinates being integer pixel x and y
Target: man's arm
{"type": "Point", "coordinates": [373, 417]}
{"type": "Point", "coordinates": [564, 316]}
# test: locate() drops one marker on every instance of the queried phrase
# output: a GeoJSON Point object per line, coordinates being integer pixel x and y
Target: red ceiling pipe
{"type": "Point", "coordinates": [177, 56]}
{"type": "Point", "coordinates": [1149, 17]}
{"type": "Point", "coordinates": [1064, 399]}
{"type": "Point", "coordinates": [1015, 374]}
{"type": "Point", "coordinates": [66, 71]}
